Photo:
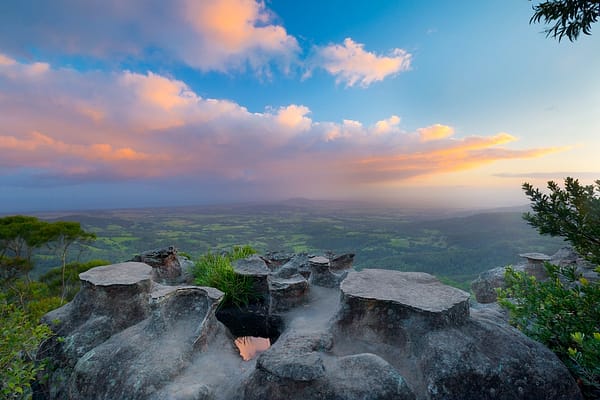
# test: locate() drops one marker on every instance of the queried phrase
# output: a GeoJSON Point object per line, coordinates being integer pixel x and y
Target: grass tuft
{"type": "Point", "coordinates": [216, 270]}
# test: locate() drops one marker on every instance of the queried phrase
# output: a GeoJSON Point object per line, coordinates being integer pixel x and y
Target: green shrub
{"type": "Point", "coordinates": [20, 338]}
{"type": "Point", "coordinates": [216, 270]}
{"type": "Point", "coordinates": [563, 313]}
{"type": "Point", "coordinates": [572, 213]}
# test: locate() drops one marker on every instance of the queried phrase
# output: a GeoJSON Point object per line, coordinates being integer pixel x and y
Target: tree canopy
{"type": "Point", "coordinates": [568, 18]}
{"type": "Point", "coordinates": [572, 213]}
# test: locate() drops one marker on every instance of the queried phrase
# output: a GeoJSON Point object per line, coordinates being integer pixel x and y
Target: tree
{"type": "Point", "coordinates": [19, 236]}
{"type": "Point", "coordinates": [572, 212]}
{"type": "Point", "coordinates": [64, 235]}
{"type": "Point", "coordinates": [570, 17]}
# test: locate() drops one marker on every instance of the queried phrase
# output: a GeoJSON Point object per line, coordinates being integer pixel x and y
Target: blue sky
{"type": "Point", "coordinates": [128, 104]}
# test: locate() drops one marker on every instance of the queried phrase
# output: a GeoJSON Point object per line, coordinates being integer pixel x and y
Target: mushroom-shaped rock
{"type": "Point", "coordinates": [255, 268]}
{"type": "Point", "coordinates": [287, 293]}
{"type": "Point", "coordinates": [321, 274]}
{"type": "Point", "coordinates": [381, 303]}
{"type": "Point", "coordinates": [122, 274]}
{"type": "Point", "coordinates": [112, 298]}
{"type": "Point", "coordinates": [535, 264]}
{"type": "Point", "coordinates": [124, 335]}
{"type": "Point", "coordinates": [535, 258]}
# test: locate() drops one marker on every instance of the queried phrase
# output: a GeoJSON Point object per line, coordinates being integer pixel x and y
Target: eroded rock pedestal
{"type": "Point", "coordinates": [124, 336]}
{"type": "Point", "coordinates": [381, 335]}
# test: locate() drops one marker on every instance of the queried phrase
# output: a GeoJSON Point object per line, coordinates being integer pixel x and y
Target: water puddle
{"type": "Point", "coordinates": [251, 346]}
{"type": "Point", "coordinates": [254, 331]}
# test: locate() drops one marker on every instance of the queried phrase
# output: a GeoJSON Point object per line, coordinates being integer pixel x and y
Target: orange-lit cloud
{"type": "Point", "coordinates": [351, 64]}
{"type": "Point", "coordinates": [158, 91]}
{"type": "Point", "coordinates": [40, 150]}
{"type": "Point", "coordinates": [435, 132]}
{"type": "Point", "coordinates": [387, 125]}
{"type": "Point", "coordinates": [149, 126]}
{"type": "Point", "coordinates": [221, 35]}
{"type": "Point", "coordinates": [231, 31]}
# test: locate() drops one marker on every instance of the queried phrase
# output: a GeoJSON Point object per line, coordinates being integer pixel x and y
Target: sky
{"type": "Point", "coordinates": [115, 104]}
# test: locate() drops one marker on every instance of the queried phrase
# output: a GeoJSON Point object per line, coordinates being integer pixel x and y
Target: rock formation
{"type": "Point", "coordinates": [375, 334]}
{"type": "Point", "coordinates": [484, 287]}
{"type": "Point", "coordinates": [167, 266]}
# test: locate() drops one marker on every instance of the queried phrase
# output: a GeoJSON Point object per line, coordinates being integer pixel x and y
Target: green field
{"type": "Point", "coordinates": [453, 247]}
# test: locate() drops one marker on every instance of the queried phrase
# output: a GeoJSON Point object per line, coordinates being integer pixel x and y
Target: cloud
{"type": "Point", "coordinates": [435, 132]}
{"type": "Point", "coordinates": [235, 30]}
{"type": "Point", "coordinates": [211, 35]}
{"type": "Point", "coordinates": [387, 125]}
{"type": "Point", "coordinates": [294, 117]}
{"type": "Point", "coordinates": [352, 65]}
{"type": "Point", "coordinates": [93, 126]}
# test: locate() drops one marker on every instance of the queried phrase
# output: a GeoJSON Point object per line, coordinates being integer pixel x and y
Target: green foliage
{"type": "Point", "coordinates": [19, 340]}
{"type": "Point", "coordinates": [216, 270]}
{"type": "Point", "coordinates": [572, 212]}
{"type": "Point", "coordinates": [21, 235]}
{"type": "Point", "coordinates": [23, 301]}
{"type": "Point", "coordinates": [53, 278]}
{"type": "Point", "coordinates": [563, 313]}
{"type": "Point", "coordinates": [570, 17]}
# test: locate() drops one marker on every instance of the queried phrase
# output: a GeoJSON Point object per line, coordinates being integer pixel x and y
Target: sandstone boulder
{"type": "Point", "coordinates": [380, 335]}
{"type": "Point", "coordinates": [168, 267]}
{"type": "Point", "coordinates": [125, 335]}
{"type": "Point", "coordinates": [322, 275]}
{"type": "Point", "coordinates": [256, 269]}
{"type": "Point", "coordinates": [287, 293]}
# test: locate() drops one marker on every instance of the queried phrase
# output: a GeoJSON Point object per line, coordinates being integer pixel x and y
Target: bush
{"type": "Point", "coordinates": [216, 270]}
{"type": "Point", "coordinates": [563, 313]}
{"type": "Point", "coordinates": [572, 213]}
{"type": "Point", "coordinates": [20, 338]}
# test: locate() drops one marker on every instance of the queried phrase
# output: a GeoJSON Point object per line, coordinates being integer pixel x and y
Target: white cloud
{"type": "Point", "coordinates": [294, 117]}
{"type": "Point", "coordinates": [352, 65]}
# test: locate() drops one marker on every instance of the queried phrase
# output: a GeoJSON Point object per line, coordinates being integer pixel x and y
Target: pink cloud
{"type": "Point", "coordinates": [211, 35]}
{"type": "Point", "coordinates": [351, 64]}
{"type": "Point", "coordinates": [111, 126]}
{"type": "Point", "coordinates": [231, 31]}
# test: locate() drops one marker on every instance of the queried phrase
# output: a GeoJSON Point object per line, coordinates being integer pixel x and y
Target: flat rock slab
{"type": "Point", "coordinates": [128, 273]}
{"type": "Point", "coordinates": [539, 257]}
{"type": "Point", "coordinates": [417, 290]}
{"type": "Point", "coordinates": [253, 266]}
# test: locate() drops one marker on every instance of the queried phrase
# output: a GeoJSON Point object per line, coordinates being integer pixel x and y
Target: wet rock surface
{"type": "Point", "coordinates": [377, 334]}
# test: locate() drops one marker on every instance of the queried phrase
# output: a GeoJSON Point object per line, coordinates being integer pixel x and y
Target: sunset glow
{"type": "Point", "coordinates": [235, 100]}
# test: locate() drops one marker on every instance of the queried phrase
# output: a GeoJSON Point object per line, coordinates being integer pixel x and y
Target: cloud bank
{"type": "Point", "coordinates": [69, 126]}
